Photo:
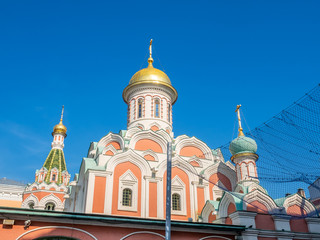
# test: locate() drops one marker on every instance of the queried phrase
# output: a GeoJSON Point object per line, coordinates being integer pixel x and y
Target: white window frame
{"type": "Point", "coordinates": [130, 181]}
{"type": "Point", "coordinates": [179, 187]}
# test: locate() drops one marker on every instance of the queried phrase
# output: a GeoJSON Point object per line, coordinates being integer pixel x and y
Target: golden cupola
{"type": "Point", "coordinates": [60, 128]}
{"type": "Point", "coordinates": [150, 75]}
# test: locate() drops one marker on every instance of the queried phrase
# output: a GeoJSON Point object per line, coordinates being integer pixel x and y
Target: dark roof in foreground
{"type": "Point", "coordinates": [109, 220]}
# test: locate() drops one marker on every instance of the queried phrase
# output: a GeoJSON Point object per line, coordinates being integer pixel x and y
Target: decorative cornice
{"type": "Point", "coordinates": [244, 155]}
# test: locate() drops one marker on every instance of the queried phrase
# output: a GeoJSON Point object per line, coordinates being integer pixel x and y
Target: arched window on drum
{"type": "Point", "coordinates": [140, 107]}
{"type": "Point", "coordinates": [157, 108]}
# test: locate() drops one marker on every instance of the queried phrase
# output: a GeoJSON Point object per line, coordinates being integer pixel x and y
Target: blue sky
{"type": "Point", "coordinates": [81, 54]}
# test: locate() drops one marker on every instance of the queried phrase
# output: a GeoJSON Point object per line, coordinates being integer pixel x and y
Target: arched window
{"type": "Point", "coordinates": [157, 108]}
{"type": "Point", "coordinates": [176, 202]}
{"type": "Point", "coordinates": [140, 101]}
{"type": "Point", "coordinates": [31, 205]}
{"type": "Point", "coordinates": [53, 177]}
{"type": "Point", "coordinates": [50, 206]}
{"type": "Point", "coordinates": [127, 197]}
{"type": "Point", "coordinates": [169, 111]}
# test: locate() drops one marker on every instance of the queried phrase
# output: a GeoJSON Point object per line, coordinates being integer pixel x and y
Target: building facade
{"type": "Point", "coordinates": [11, 192]}
{"type": "Point", "coordinates": [120, 190]}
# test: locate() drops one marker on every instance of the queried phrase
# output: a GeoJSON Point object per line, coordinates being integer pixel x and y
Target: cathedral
{"type": "Point", "coordinates": [123, 180]}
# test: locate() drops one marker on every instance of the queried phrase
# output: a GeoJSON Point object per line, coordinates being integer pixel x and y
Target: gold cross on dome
{"type": "Point", "coordinates": [239, 120]}
{"type": "Point", "coordinates": [150, 48]}
{"type": "Point", "coordinates": [62, 113]}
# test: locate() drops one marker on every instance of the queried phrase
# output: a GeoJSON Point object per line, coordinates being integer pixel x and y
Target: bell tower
{"type": "Point", "coordinates": [150, 97]}
{"type": "Point", "coordinates": [243, 150]}
{"type": "Point", "coordinates": [50, 188]}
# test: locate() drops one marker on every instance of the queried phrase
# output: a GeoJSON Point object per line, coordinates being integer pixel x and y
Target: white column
{"type": "Point", "coordinates": [90, 191]}
{"type": "Point", "coordinates": [313, 225]}
{"type": "Point", "coordinates": [244, 218]}
{"type": "Point", "coordinates": [109, 191]}
{"type": "Point", "coordinates": [282, 223]}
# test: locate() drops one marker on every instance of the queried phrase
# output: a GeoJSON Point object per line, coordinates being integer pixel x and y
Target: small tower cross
{"type": "Point", "coordinates": [150, 48]}
{"type": "Point", "coordinates": [62, 113]}
{"type": "Point", "coordinates": [239, 120]}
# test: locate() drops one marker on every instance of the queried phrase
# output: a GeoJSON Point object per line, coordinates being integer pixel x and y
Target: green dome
{"type": "Point", "coordinates": [243, 144]}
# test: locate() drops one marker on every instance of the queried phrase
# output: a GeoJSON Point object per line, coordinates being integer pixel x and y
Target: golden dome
{"type": "Point", "coordinates": [150, 75]}
{"type": "Point", "coordinates": [60, 128]}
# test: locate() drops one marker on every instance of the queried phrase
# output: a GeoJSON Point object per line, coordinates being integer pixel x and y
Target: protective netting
{"type": "Point", "coordinates": [289, 147]}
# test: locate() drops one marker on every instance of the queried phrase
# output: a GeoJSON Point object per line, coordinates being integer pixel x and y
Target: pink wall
{"type": "Point", "coordinates": [99, 232]}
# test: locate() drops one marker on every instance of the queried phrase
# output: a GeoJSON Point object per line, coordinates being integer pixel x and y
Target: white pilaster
{"type": "Point", "coordinates": [282, 223]}
{"type": "Point", "coordinates": [313, 225]}
{"type": "Point", "coordinates": [244, 218]}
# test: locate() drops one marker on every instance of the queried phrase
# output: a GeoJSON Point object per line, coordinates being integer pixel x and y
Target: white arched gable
{"type": "Point", "coordinates": [152, 153]}
{"type": "Point", "coordinates": [219, 186]}
{"type": "Point", "coordinates": [239, 188]}
{"type": "Point", "coordinates": [197, 160]}
{"type": "Point", "coordinates": [306, 205]}
{"type": "Point", "coordinates": [42, 185]}
{"type": "Point", "coordinates": [54, 199]}
{"type": "Point", "coordinates": [133, 130]}
{"type": "Point", "coordinates": [151, 135]}
{"type": "Point", "coordinates": [222, 168]}
{"type": "Point", "coordinates": [92, 149]}
{"type": "Point", "coordinates": [183, 165]}
{"type": "Point", "coordinates": [110, 137]}
{"type": "Point", "coordinates": [266, 200]}
{"type": "Point", "coordinates": [31, 198]}
{"type": "Point", "coordinates": [29, 188]}
{"type": "Point", "coordinates": [165, 135]}
{"type": "Point", "coordinates": [226, 200]}
{"type": "Point", "coordinates": [193, 142]}
{"type": "Point", "coordinates": [206, 211]}
{"type": "Point", "coordinates": [52, 185]}
{"type": "Point", "coordinates": [109, 148]}
{"type": "Point", "coordinates": [129, 156]}
{"type": "Point", "coordinates": [154, 124]}
{"type": "Point", "coordinates": [181, 137]}
{"type": "Point", "coordinates": [254, 186]}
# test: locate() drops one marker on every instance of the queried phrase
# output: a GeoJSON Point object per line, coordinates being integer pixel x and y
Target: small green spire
{"type": "Point", "coordinates": [55, 159]}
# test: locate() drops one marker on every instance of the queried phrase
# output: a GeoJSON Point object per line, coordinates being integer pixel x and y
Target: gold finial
{"type": "Point", "coordinates": [239, 120]}
{"type": "Point", "coordinates": [150, 59]}
{"type": "Point", "coordinates": [150, 48]}
{"type": "Point", "coordinates": [60, 128]}
{"type": "Point", "coordinates": [62, 114]}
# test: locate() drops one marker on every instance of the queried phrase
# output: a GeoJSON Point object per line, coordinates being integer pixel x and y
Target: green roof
{"type": "Point", "coordinates": [55, 159]}
{"type": "Point", "coordinates": [243, 144]}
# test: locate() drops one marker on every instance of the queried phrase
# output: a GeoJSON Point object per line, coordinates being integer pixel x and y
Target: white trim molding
{"type": "Point", "coordinates": [128, 181]}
